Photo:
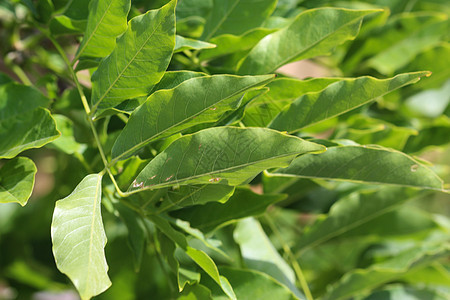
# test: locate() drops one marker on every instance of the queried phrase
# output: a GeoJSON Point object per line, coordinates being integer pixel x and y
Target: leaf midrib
{"type": "Point", "coordinates": [174, 182]}
{"type": "Point", "coordinates": [95, 30]}
{"type": "Point", "coordinates": [137, 146]}
{"type": "Point", "coordinates": [128, 64]}
{"type": "Point", "coordinates": [222, 20]}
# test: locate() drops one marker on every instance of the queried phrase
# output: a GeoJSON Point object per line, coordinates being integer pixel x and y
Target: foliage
{"type": "Point", "coordinates": [189, 166]}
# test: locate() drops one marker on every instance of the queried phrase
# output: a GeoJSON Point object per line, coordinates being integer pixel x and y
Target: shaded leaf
{"type": "Point", "coordinates": [364, 279]}
{"type": "Point", "coordinates": [236, 16]}
{"type": "Point", "coordinates": [405, 292]}
{"type": "Point", "coordinates": [259, 253]}
{"type": "Point", "coordinates": [138, 61]}
{"type": "Point", "coordinates": [79, 238]}
{"type": "Point", "coordinates": [338, 98]}
{"type": "Point", "coordinates": [224, 155]}
{"type": "Point", "coordinates": [107, 19]}
{"type": "Point", "coordinates": [350, 212]}
{"type": "Point", "coordinates": [195, 101]}
{"type": "Point", "coordinates": [244, 203]}
{"type": "Point", "coordinates": [364, 164]}
{"type": "Point", "coordinates": [300, 40]}
{"type": "Point", "coordinates": [17, 180]}
{"type": "Point", "coordinates": [66, 142]}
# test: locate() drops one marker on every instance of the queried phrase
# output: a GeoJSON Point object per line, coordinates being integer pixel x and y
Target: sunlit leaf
{"type": "Point", "coordinates": [138, 61]}
{"type": "Point", "coordinates": [182, 44]}
{"type": "Point", "coordinates": [79, 238]}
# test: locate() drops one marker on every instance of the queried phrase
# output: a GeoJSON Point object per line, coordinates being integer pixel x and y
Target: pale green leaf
{"type": "Point", "coordinates": [79, 238]}
{"type": "Point", "coordinates": [301, 39]}
{"type": "Point", "coordinates": [368, 164]}
{"type": "Point", "coordinates": [138, 61]}
{"type": "Point", "coordinates": [361, 280]}
{"type": "Point", "coordinates": [236, 16]}
{"type": "Point", "coordinates": [195, 292]}
{"type": "Point", "coordinates": [259, 253]}
{"type": "Point", "coordinates": [107, 19]}
{"type": "Point", "coordinates": [407, 292]}
{"type": "Point", "coordinates": [66, 142]}
{"type": "Point", "coordinates": [244, 203]}
{"type": "Point", "coordinates": [338, 98]}
{"type": "Point", "coordinates": [17, 180]}
{"type": "Point", "coordinates": [350, 212]}
{"type": "Point", "coordinates": [221, 155]}
{"type": "Point", "coordinates": [195, 101]}
{"type": "Point", "coordinates": [183, 43]}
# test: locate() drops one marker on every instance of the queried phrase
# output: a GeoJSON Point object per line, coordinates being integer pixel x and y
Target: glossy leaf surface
{"type": "Point", "coordinates": [79, 238]}
{"type": "Point", "coordinates": [364, 164]}
{"type": "Point", "coordinates": [195, 101]}
{"type": "Point", "coordinates": [301, 39]}
{"type": "Point", "coordinates": [182, 44]}
{"type": "Point", "coordinates": [17, 180]}
{"type": "Point", "coordinates": [107, 19]}
{"type": "Point", "coordinates": [139, 59]}
{"type": "Point", "coordinates": [215, 155]}
{"type": "Point", "coordinates": [338, 98]}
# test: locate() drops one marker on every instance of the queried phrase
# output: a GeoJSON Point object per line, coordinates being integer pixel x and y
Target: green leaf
{"type": "Point", "coordinates": [259, 253]}
{"type": "Point", "coordinates": [79, 238]}
{"type": "Point", "coordinates": [236, 16]}
{"type": "Point", "coordinates": [229, 43]}
{"type": "Point", "coordinates": [404, 49]}
{"type": "Point", "coordinates": [282, 91]}
{"type": "Point", "coordinates": [301, 40]}
{"type": "Point", "coordinates": [17, 180]}
{"type": "Point", "coordinates": [195, 292]}
{"type": "Point", "coordinates": [405, 292]}
{"type": "Point", "coordinates": [350, 212]}
{"type": "Point", "coordinates": [196, 195]}
{"type": "Point", "coordinates": [338, 98]}
{"type": "Point", "coordinates": [361, 280]}
{"type": "Point", "coordinates": [137, 233]}
{"type": "Point", "coordinates": [368, 164]}
{"type": "Point", "coordinates": [224, 155]}
{"type": "Point", "coordinates": [182, 44]}
{"type": "Point", "coordinates": [138, 61]}
{"type": "Point", "coordinates": [208, 265]}
{"type": "Point", "coordinates": [66, 142]}
{"type": "Point", "coordinates": [195, 101]}
{"type": "Point", "coordinates": [107, 19]}
{"type": "Point", "coordinates": [244, 203]}
{"type": "Point", "coordinates": [251, 284]}
{"type": "Point", "coordinates": [23, 123]}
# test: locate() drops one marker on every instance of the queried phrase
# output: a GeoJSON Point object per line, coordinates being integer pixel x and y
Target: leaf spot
{"type": "Point", "coordinates": [414, 168]}
{"type": "Point", "coordinates": [168, 178]}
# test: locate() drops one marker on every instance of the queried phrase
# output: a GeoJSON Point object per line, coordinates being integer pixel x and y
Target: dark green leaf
{"type": "Point", "coordinates": [223, 155]}
{"type": "Point", "coordinates": [195, 101]}
{"type": "Point", "coordinates": [364, 164]}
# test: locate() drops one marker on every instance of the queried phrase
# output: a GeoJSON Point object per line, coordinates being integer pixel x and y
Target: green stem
{"type": "Point", "coordinates": [298, 271]}
{"type": "Point", "coordinates": [21, 74]}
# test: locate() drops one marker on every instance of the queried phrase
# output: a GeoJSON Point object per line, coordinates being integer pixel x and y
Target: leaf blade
{"type": "Point", "coordinates": [17, 180]}
{"type": "Point", "coordinates": [86, 267]}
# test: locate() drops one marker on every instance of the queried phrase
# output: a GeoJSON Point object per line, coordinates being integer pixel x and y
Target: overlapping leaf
{"type": "Point", "coordinates": [17, 180]}
{"type": "Point", "coordinates": [301, 39]}
{"type": "Point", "coordinates": [183, 43]}
{"type": "Point", "coordinates": [224, 155]}
{"type": "Point", "coordinates": [337, 99]}
{"type": "Point", "coordinates": [195, 101]}
{"type": "Point", "coordinates": [107, 19]}
{"type": "Point", "coordinates": [79, 238]}
{"type": "Point", "coordinates": [364, 164]}
{"type": "Point", "coordinates": [139, 59]}
{"type": "Point", "coordinates": [24, 124]}
{"type": "Point", "coordinates": [236, 16]}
